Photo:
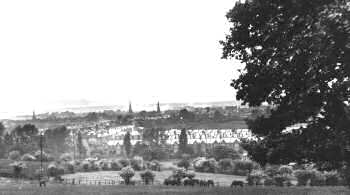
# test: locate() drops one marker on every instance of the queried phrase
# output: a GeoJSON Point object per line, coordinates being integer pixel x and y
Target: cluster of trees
{"type": "Point", "coordinates": [297, 58]}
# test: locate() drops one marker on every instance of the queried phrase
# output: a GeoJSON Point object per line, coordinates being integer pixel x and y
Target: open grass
{"type": "Point", "coordinates": [160, 190]}
{"type": "Point", "coordinates": [223, 180]}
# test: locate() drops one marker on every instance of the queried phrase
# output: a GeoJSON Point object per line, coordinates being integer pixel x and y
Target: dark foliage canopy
{"type": "Point", "coordinates": [297, 58]}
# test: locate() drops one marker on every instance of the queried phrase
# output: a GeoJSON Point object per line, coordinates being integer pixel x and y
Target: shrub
{"type": "Point", "coordinates": [45, 157]}
{"type": "Point", "coordinates": [154, 165]}
{"type": "Point", "coordinates": [14, 155]}
{"type": "Point", "coordinates": [255, 177]}
{"type": "Point", "coordinates": [272, 170]}
{"type": "Point", "coordinates": [52, 170]}
{"type": "Point", "coordinates": [282, 180]}
{"type": "Point", "coordinates": [285, 170]}
{"type": "Point", "coordinates": [226, 166]}
{"type": "Point", "coordinates": [185, 163]}
{"type": "Point", "coordinates": [190, 174]}
{"type": "Point", "coordinates": [116, 166]}
{"type": "Point", "coordinates": [317, 179]}
{"type": "Point", "coordinates": [303, 176]}
{"type": "Point", "coordinates": [127, 173]}
{"type": "Point", "coordinates": [207, 166]}
{"type": "Point", "coordinates": [137, 163]}
{"type": "Point", "coordinates": [39, 173]}
{"type": "Point", "coordinates": [179, 173]}
{"type": "Point", "coordinates": [332, 178]}
{"type": "Point", "coordinates": [242, 167]}
{"type": "Point", "coordinates": [124, 162]}
{"type": "Point", "coordinates": [28, 157]}
{"type": "Point", "coordinates": [147, 177]}
{"type": "Point", "coordinates": [70, 166]}
{"type": "Point", "coordinates": [105, 165]}
{"type": "Point", "coordinates": [85, 165]}
{"type": "Point", "coordinates": [18, 168]}
{"type": "Point", "coordinates": [66, 157]}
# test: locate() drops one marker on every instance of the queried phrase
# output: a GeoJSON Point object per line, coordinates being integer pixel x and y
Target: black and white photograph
{"type": "Point", "coordinates": [175, 97]}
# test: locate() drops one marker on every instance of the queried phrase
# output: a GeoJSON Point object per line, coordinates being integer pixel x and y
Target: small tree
{"type": "Point", "coordinates": [127, 173]}
{"type": "Point", "coordinates": [14, 155]}
{"type": "Point", "coordinates": [184, 163]}
{"type": "Point", "coordinates": [147, 177]}
{"type": "Point", "coordinates": [127, 144]}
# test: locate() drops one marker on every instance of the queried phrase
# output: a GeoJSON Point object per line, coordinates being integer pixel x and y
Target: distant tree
{"type": "Point", "coordinates": [2, 129]}
{"type": "Point", "coordinates": [80, 145]}
{"type": "Point", "coordinates": [221, 152]}
{"type": "Point", "coordinates": [186, 115]}
{"type": "Point", "coordinates": [183, 145]}
{"type": "Point", "coordinates": [218, 116]}
{"type": "Point", "coordinates": [127, 144]}
{"type": "Point", "coordinates": [297, 58]}
{"type": "Point", "coordinates": [56, 139]}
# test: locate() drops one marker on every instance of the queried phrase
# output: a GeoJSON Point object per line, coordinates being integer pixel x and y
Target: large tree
{"type": "Point", "coordinates": [297, 58]}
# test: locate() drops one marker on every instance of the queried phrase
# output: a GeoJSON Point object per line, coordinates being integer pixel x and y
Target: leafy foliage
{"type": "Point", "coordinates": [297, 58]}
{"type": "Point", "coordinates": [127, 173]}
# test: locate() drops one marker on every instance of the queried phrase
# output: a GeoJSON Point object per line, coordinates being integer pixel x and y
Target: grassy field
{"type": "Point", "coordinates": [160, 190]}
{"type": "Point", "coordinates": [223, 180]}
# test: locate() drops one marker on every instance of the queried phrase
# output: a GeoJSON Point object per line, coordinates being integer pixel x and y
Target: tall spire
{"type": "Point", "coordinates": [33, 117]}
{"type": "Point", "coordinates": [158, 107]}
{"type": "Point", "coordinates": [130, 109]}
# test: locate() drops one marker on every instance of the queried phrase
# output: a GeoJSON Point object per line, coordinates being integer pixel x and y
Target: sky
{"type": "Point", "coordinates": [109, 52]}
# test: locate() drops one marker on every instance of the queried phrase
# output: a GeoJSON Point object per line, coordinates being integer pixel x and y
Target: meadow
{"type": "Point", "coordinates": [160, 190]}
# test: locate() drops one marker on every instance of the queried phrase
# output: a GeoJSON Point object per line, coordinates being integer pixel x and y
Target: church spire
{"type": "Point", "coordinates": [34, 116]}
{"type": "Point", "coordinates": [130, 109]}
{"type": "Point", "coordinates": [158, 107]}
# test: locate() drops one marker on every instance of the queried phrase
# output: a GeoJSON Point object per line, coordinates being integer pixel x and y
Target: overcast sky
{"type": "Point", "coordinates": [109, 52]}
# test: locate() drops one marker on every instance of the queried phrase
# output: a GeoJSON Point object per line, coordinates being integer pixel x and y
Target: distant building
{"type": "Point", "coordinates": [34, 116]}
{"type": "Point", "coordinates": [130, 108]}
{"type": "Point", "coordinates": [158, 107]}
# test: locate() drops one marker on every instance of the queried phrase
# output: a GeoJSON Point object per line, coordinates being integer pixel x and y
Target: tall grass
{"type": "Point", "coordinates": [160, 190]}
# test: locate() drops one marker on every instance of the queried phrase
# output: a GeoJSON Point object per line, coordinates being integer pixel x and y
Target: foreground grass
{"type": "Point", "coordinates": [223, 180]}
{"type": "Point", "coordinates": [160, 190]}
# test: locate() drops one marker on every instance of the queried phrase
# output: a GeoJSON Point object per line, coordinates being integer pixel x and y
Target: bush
{"type": "Point", "coordinates": [127, 173]}
{"type": "Point", "coordinates": [226, 166]}
{"type": "Point", "coordinates": [332, 178]}
{"type": "Point", "coordinates": [66, 157]}
{"type": "Point", "coordinates": [28, 157]}
{"type": "Point", "coordinates": [147, 177]}
{"type": "Point", "coordinates": [154, 165]}
{"type": "Point", "coordinates": [190, 174]}
{"type": "Point", "coordinates": [303, 176]}
{"type": "Point", "coordinates": [137, 163]}
{"type": "Point", "coordinates": [14, 155]}
{"type": "Point", "coordinates": [116, 166]}
{"type": "Point", "coordinates": [38, 174]}
{"type": "Point", "coordinates": [179, 173]}
{"type": "Point", "coordinates": [184, 163]}
{"type": "Point", "coordinates": [255, 177]}
{"type": "Point", "coordinates": [70, 166]}
{"type": "Point", "coordinates": [53, 170]}
{"type": "Point", "coordinates": [242, 167]}
{"type": "Point", "coordinates": [124, 162]}
{"type": "Point", "coordinates": [85, 165]}
{"type": "Point", "coordinates": [45, 157]}
{"type": "Point", "coordinates": [206, 165]}
{"type": "Point", "coordinates": [272, 170]}
{"type": "Point", "coordinates": [317, 179]}
{"type": "Point", "coordinates": [18, 168]}
{"type": "Point", "coordinates": [285, 170]}
{"type": "Point", "coordinates": [282, 180]}
{"type": "Point", "coordinates": [105, 165]}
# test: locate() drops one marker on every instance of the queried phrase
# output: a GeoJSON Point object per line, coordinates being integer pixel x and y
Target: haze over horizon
{"type": "Point", "coordinates": [55, 54]}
